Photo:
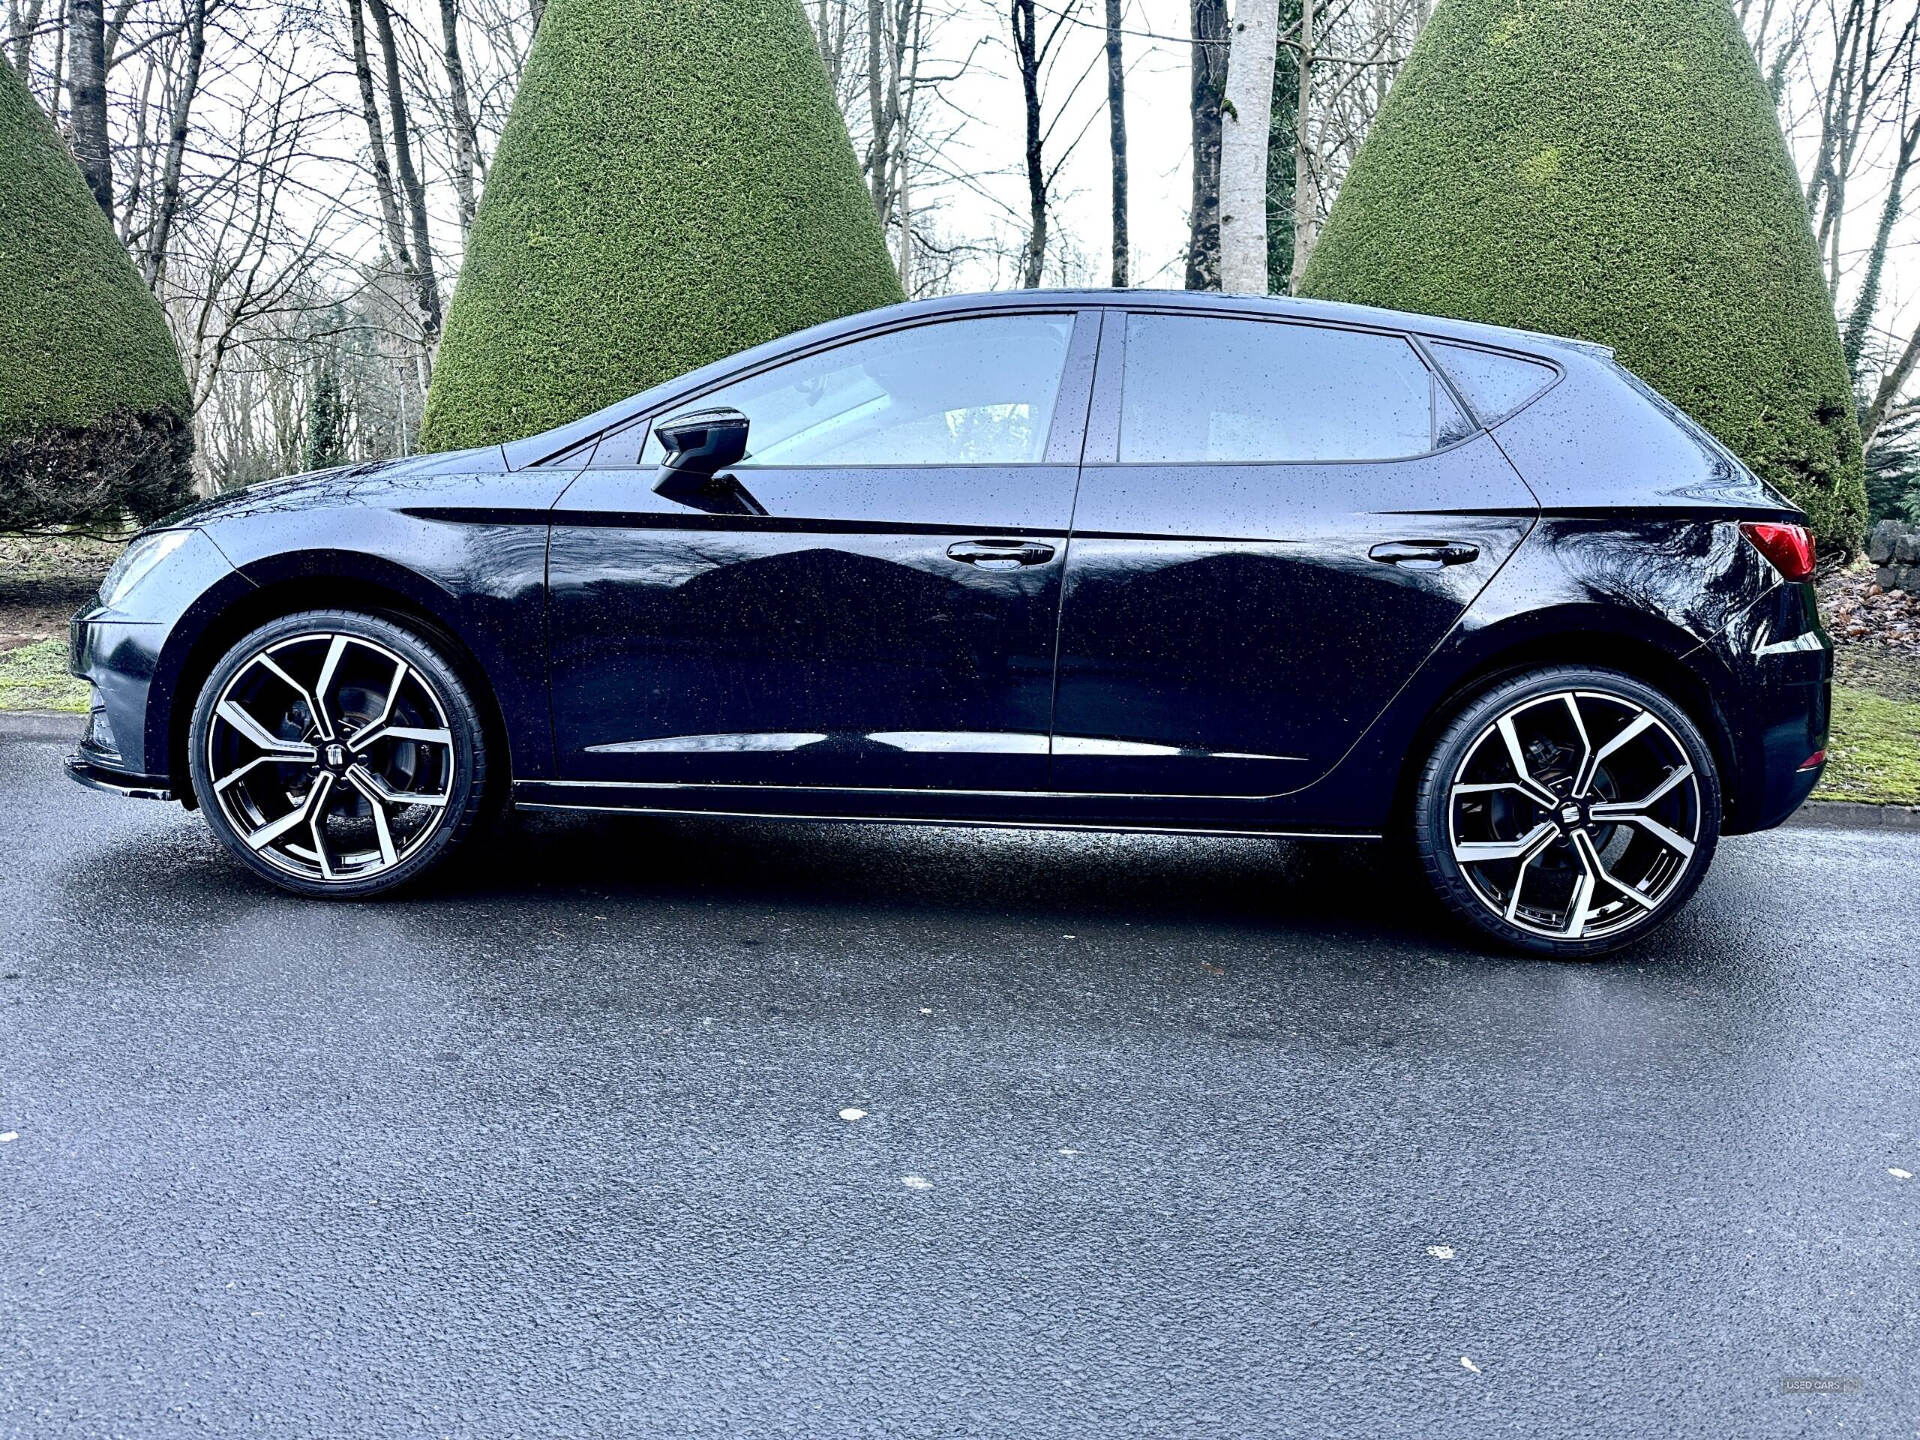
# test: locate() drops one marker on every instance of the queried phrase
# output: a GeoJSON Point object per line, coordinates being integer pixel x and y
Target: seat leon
{"type": "Point", "coordinates": [1114, 560]}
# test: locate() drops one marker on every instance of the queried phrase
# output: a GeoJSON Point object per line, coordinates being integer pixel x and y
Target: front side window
{"type": "Point", "coordinates": [959, 392]}
{"type": "Point", "coordinates": [1203, 388]}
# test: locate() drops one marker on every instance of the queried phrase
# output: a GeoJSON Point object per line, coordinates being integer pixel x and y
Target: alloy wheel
{"type": "Point", "coordinates": [1575, 814]}
{"type": "Point", "coordinates": [331, 756]}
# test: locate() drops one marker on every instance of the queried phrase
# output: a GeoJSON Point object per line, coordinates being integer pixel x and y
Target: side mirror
{"type": "Point", "coordinates": [699, 445]}
{"type": "Point", "coordinates": [703, 442]}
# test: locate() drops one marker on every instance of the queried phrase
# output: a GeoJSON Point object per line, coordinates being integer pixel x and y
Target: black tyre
{"type": "Point", "coordinates": [337, 753]}
{"type": "Point", "coordinates": [1567, 811]}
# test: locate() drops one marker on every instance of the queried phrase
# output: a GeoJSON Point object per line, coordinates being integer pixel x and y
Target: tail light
{"type": "Point", "coordinates": [1788, 548]}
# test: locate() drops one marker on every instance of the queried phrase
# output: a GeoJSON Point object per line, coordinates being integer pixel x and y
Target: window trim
{"type": "Point", "coordinates": [1066, 432]}
{"type": "Point", "coordinates": [1103, 425]}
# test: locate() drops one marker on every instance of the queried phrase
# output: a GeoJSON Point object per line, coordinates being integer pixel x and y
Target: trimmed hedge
{"type": "Point", "coordinates": [674, 184]}
{"type": "Point", "coordinates": [1612, 170]}
{"type": "Point", "coordinates": [94, 408]}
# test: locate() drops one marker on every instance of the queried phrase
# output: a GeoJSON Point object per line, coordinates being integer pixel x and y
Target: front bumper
{"type": "Point", "coordinates": [134, 787]}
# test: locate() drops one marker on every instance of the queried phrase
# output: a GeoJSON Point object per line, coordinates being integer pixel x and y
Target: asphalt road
{"type": "Point", "coordinates": [1206, 1138]}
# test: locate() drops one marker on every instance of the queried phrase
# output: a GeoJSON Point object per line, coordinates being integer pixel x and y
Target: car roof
{"type": "Point", "coordinates": [535, 448]}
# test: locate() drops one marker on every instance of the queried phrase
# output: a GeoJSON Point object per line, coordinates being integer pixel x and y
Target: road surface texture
{"type": "Point", "coordinates": [1161, 1138]}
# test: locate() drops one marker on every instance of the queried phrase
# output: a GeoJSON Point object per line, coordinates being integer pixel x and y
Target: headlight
{"type": "Point", "coordinates": [137, 561]}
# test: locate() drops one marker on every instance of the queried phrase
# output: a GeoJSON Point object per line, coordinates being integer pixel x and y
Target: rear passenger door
{"type": "Point", "coordinates": [1277, 522]}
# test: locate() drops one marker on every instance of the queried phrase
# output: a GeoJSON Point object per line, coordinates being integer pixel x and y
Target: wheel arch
{"type": "Point", "coordinates": [318, 581]}
{"type": "Point", "coordinates": [1675, 663]}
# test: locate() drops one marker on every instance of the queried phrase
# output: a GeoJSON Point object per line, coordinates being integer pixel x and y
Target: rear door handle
{"type": "Point", "coordinates": [1425, 554]}
{"type": "Point", "coordinates": [1000, 554]}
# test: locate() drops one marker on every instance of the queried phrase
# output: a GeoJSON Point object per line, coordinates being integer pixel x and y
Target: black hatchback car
{"type": "Point", "coordinates": [1109, 560]}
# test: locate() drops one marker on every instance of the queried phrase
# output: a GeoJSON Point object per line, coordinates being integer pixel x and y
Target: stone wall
{"type": "Point", "coordinates": [1894, 549]}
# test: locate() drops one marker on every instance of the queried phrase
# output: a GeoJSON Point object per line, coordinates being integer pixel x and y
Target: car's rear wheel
{"type": "Point", "coordinates": [337, 753]}
{"type": "Point", "coordinates": [1567, 811]}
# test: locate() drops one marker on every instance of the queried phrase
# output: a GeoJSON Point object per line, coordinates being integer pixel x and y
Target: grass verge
{"type": "Point", "coordinates": [34, 677]}
{"type": "Point", "coordinates": [1873, 754]}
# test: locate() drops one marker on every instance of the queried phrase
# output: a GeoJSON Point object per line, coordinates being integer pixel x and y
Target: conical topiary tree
{"type": "Point", "coordinates": [94, 408]}
{"type": "Point", "coordinates": [674, 184]}
{"type": "Point", "coordinates": [1612, 170]}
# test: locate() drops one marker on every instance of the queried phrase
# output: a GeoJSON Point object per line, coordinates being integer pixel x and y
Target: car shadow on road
{"type": "Point", "coordinates": [1331, 886]}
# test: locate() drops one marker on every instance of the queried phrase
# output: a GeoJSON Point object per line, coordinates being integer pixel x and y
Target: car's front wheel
{"type": "Point", "coordinates": [337, 753]}
{"type": "Point", "coordinates": [1567, 811]}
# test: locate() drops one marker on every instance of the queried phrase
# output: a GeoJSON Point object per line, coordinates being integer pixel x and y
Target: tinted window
{"type": "Point", "coordinates": [1496, 385]}
{"type": "Point", "coordinates": [961, 392]}
{"type": "Point", "coordinates": [1200, 388]}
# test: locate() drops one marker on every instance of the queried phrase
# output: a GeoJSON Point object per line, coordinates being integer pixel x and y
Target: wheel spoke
{"type": "Point", "coordinates": [1511, 738]}
{"type": "Point", "coordinates": [1590, 857]}
{"type": "Point", "coordinates": [1580, 908]}
{"type": "Point", "coordinates": [259, 736]}
{"type": "Point", "coordinates": [383, 833]}
{"type": "Point", "coordinates": [1477, 852]}
{"type": "Point", "coordinates": [1623, 809]}
{"type": "Point", "coordinates": [371, 731]}
{"type": "Point", "coordinates": [386, 794]}
{"type": "Point", "coordinates": [1526, 865]}
{"type": "Point", "coordinates": [1668, 837]}
{"type": "Point", "coordinates": [324, 787]}
{"type": "Point", "coordinates": [220, 786]}
{"type": "Point", "coordinates": [319, 716]}
{"type": "Point", "coordinates": [421, 733]}
{"type": "Point", "coordinates": [268, 833]}
{"type": "Point", "coordinates": [335, 649]}
{"type": "Point", "coordinates": [1635, 728]}
{"type": "Point", "coordinates": [1583, 775]}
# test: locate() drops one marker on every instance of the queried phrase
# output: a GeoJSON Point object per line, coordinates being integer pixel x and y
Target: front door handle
{"type": "Point", "coordinates": [1425, 554]}
{"type": "Point", "coordinates": [1000, 554]}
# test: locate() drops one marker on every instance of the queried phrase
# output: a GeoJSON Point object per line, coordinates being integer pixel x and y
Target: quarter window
{"type": "Point", "coordinates": [1201, 388]}
{"type": "Point", "coordinates": [1496, 385]}
{"type": "Point", "coordinates": [961, 392]}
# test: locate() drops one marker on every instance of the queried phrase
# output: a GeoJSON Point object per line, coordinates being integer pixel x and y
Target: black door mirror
{"type": "Point", "coordinates": [700, 445]}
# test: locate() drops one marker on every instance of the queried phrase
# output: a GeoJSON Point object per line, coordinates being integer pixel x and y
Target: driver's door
{"type": "Point", "coordinates": [888, 623]}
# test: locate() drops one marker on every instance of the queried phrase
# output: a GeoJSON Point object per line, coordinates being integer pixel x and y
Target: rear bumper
{"type": "Point", "coordinates": [1789, 709]}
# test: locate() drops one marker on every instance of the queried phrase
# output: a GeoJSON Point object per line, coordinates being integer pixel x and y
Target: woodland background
{"type": "Point", "coordinates": [295, 180]}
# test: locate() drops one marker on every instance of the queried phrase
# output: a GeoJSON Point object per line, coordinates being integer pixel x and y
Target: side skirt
{"type": "Point", "coordinates": [601, 797]}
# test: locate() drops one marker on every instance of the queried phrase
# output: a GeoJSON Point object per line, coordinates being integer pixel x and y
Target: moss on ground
{"type": "Point", "coordinates": [34, 677]}
{"type": "Point", "coordinates": [1873, 754]}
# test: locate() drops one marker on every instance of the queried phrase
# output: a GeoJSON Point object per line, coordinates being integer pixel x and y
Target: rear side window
{"type": "Point", "coordinates": [1495, 385]}
{"type": "Point", "coordinates": [1204, 388]}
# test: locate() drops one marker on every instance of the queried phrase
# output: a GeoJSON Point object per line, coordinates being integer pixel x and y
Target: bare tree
{"type": "Point", "coordinates": [89, 88]}
{"type": "Point", "coordinates": [1033, 52]}
{"type": "Point", "coordinates": [465, 137]}
{"type": "Point", "coordinates": [1117, 139]}
{"type": "Point", "coordinates": [1207, 88]}
{"type": "Point", "coordinates": [1244, 131]}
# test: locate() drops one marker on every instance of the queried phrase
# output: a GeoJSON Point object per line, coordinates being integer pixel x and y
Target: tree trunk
{"type": "Point", "coordinates": [88, 22]}
{"type": "Point", "coordinates": [1306, 163]}
{"type": "Point", "coordinates": [1243, 148]}
{"type": "Point", "coordinates": [464, 145]}
{"type": "Point", "coordinates": [377, 161]}
{"type": "Point", "coordinates": [161, 235]}
{"type": "Point", "coordinates": [1117, 129]}
{"type": "Point", "coordinates": [1282, 140]}
{"type": "Point", "coordinates": [879, 143]}
{"type": "Point", "coordinates": [426, 285]}
{"type": "Point", "coordinates": [1208, 85]}
{"type": "Point", "coordinates": [1026, 49]}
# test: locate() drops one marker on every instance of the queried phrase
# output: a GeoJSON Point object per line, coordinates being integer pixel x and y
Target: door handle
{"type": "Point", "coordinates": [1425, 554]}
{"type": "Point", "coordinates": [1000, 554]}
